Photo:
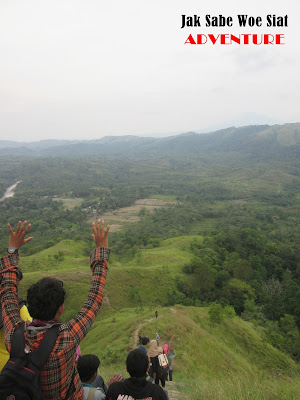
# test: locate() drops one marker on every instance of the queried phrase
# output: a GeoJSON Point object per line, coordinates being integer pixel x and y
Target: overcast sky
{"type": "Point", "coordinates": [83, 69]}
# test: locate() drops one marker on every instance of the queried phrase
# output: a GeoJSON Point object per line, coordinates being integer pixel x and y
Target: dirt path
{"type": "Point", "coordinates": [173, 392]}
{"type": "Point", "coordinates": [135, 336]}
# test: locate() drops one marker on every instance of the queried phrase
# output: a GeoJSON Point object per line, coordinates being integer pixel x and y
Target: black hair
{"type": "Point", "coordinates": [144, 340]}
{"type": "Point", "coordinates": [137, 363]}
{"type": "Point", "coordinates": [45, 297]}
{"type": "Point", "coordinates": [87, 365]}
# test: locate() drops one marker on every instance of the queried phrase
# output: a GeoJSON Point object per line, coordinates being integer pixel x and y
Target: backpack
{"type": "Point", "coordinates": [163, 360]}
{"type": "Point", "coordinates": [20, 377]}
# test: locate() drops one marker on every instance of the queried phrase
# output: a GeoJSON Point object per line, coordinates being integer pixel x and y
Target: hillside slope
{"type": "Point", "coordinates": [229, 361]}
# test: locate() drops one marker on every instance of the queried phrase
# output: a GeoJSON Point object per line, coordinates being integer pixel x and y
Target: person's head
{"type": "Point", "coordinates": [154, 349]}
{"type": "Point", "coordinates": [144, 340]}
{"type": "Point", "coordinates": [137, 363]}
{"type": "Point", "coordinates": [87, 367]}
{"type": "Point", "coordinates": [46, 298]}
{"type": "Point", "coordinates": [153, 345]}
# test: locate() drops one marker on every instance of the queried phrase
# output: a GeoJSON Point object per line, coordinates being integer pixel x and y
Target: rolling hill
{"type": "Point", "coordinates": [230, 360]}
{"type": "Point", "coordinates": [258, 140]}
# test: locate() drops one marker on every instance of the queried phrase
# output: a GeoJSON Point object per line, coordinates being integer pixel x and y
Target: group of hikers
{"type": "Point", "coordinates": [160, 358]}
{"type": "Point", "coordinates": [40, 359]}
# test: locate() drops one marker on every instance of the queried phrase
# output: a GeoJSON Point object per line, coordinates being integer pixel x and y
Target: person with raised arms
{"type": "Point", "coordinates": [59, 377]}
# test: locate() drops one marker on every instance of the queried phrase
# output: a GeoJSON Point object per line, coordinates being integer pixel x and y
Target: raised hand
{"type": "Point", "coordinates": [115, 378]}
{"type": "Point", "coordinates": [99, 235]}
{"type": "Point", "coordinates": [17, 238]}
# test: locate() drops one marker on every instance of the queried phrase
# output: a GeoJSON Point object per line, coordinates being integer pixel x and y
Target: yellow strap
{"type": "Point", "coordinates": [91, 393]}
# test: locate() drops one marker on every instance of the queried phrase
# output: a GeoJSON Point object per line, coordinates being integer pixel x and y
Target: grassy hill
{"type": "Point", "coordinates": [123, 288]}
{"type": "Point", "coordinates": [230, 361]}
{"type": "Point", "coordinates": [227, 361]}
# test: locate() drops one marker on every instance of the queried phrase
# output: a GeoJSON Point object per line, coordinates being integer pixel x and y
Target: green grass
{"type": "Point", "coordinates": [152, 267]}
{"type": "Point", "coordinates": [73, 258]}
{"type": "Point", "coordinates": [229, 362]}
{"type": "Point", "coordinates": [172, 253]}
{"type": "Point", "coordinates": [253, 387]}
{"type": "Point", "coordinates": [163, 197]}
{"type": "Point", "coordinates": [70, 203]}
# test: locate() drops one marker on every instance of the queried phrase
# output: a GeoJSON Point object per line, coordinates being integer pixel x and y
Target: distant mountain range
{"type": "Point", "coordinates": [255, 140]}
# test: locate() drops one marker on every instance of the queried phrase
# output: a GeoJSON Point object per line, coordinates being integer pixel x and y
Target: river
{"type": "Point", "coordinates": [10, 191]}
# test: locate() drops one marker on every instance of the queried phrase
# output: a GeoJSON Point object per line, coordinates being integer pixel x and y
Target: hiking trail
{"type": "Point", "coordinates": [135, 335]}
{"type": "Point", "coordinates": [173, 393]}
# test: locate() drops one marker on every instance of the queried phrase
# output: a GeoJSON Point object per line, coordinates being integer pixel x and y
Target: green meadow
{"type": "Point", "coordinates": [230, 360]}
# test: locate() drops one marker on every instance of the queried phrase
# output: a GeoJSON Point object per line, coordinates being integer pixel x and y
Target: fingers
{"type": "Point", "coordinates": [10, 229]}
{"type": "Point", "coordinates": [99, 235]}
{"type": "Point", "coordinates": [94, 230]}
{"type": "Point", "coordinates": [17, 238]}
{"type": "Point", "coordinates": [115, 378]}
{"type": "Point", "coordinates": [106, 230]}
{"type": "Point", "coordinates": [20, 229]}
{"type": "Point", "coordinates": [18, 226]}
{"type": "Point", "coordinates": [24, 230]}
{"type": "Point", "coordinates": [27, 229]}
{"type": "Point", "coordinates": [98, 229]}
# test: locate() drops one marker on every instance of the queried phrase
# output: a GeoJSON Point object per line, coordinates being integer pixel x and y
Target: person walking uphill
{"type": "Point", "coordinates": [59, 377]}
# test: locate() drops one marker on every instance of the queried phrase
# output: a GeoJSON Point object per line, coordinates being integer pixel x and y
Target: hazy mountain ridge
{"type": "Point", "coordinates": [255, 139]}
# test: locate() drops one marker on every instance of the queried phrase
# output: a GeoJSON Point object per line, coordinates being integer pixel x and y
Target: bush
{"type": "Point", "coordinates": [229, 312]}
{"type": "Point", "coordinates": [216, 314]}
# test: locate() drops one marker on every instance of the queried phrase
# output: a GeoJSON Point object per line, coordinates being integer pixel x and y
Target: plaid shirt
{"type": "Point", "coordinates": [59, 376]}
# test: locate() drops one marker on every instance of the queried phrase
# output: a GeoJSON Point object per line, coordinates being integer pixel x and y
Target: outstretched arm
{"type": "Point", "coordinates": [171, 342]}
{"type": "Point", "coordinates": [80, 325]}
{"type": "Point", "coordinates": [10, 275]}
